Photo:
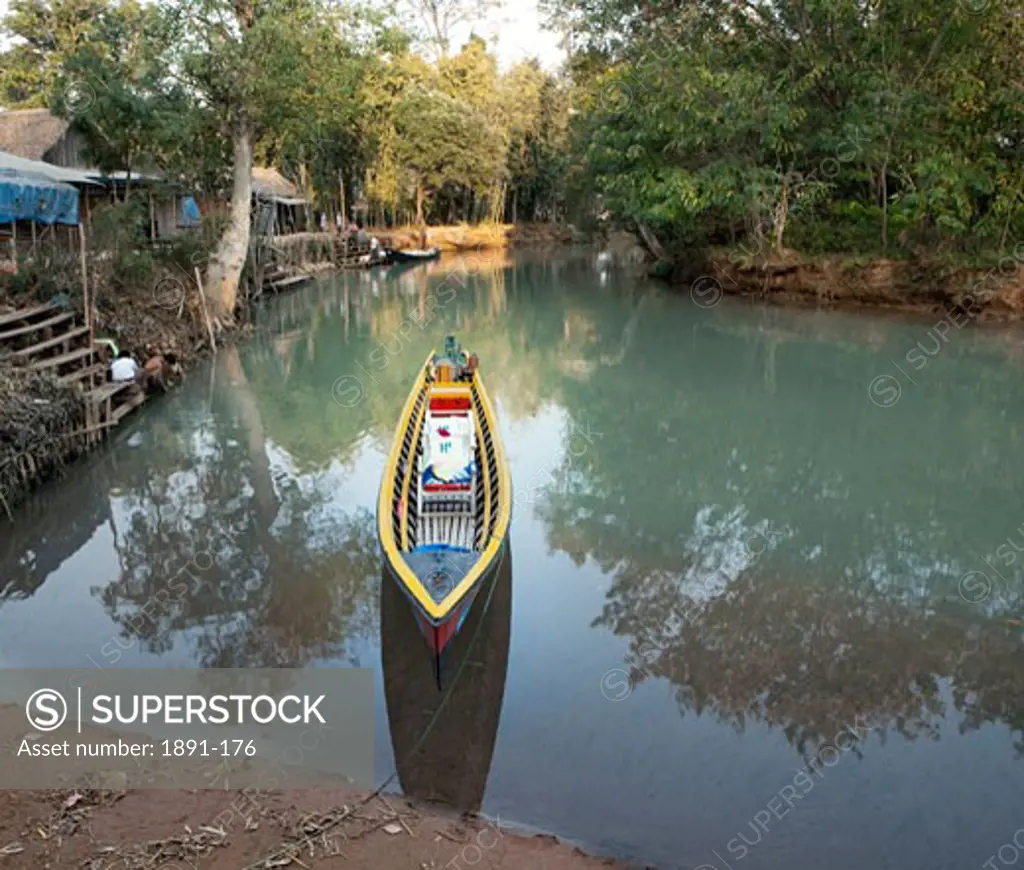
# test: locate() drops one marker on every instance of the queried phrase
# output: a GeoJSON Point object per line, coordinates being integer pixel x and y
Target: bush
{"type": "Point", "coordinates": [42, 277]}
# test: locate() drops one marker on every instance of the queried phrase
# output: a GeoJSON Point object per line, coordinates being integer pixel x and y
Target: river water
{"type": "Point", "coordinates": [767, 562]}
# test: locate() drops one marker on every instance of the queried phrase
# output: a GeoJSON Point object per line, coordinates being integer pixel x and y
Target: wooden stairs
{"type": "Point", "coordinates": [277, 279]}
{"type": "Point", "coordinates": [48, 338]}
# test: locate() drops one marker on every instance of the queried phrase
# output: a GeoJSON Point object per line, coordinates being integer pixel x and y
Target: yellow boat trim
{"type": "Point", "coordinates": [410, 470]}
{"type": "Point", "coordinates": [386, 498]}
{"type": "Point", "coordinates": [485, 471]}
{"type": "Point", "coordinates": [385, 503]}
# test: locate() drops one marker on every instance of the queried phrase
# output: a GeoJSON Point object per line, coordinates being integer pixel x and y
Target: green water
{"type": "Point", "coordinates": [730, 545]}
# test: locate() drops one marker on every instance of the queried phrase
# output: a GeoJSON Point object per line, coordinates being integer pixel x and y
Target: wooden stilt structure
{"type": "Point", "coordinates": [87, 302]}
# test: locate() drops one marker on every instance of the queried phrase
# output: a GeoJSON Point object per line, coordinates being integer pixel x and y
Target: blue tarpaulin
{"type": "Point", "coordinates": [189, 212]}
{"type": "Point", "coordinates": [25, 196]}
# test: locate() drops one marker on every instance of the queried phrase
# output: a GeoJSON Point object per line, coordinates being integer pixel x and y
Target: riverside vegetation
{"type": "Point", "coordinates": [813, 139]}
{"type": "Point", "coordinates": [838, 134]}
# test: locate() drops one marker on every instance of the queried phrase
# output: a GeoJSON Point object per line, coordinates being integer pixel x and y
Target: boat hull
{"type": "Point", "coordinates": [415, 256]}
{"type": "Point", "coordinates": [444, 739]}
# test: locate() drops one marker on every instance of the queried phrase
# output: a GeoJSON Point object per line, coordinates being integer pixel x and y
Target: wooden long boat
{"type": "Point", "coordinates": [410, 256]}
{"type": "Point", "coordinates": [445, 501]}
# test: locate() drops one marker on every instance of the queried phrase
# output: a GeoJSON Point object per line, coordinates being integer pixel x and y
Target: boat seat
{"type": "Point", "coordinates": [444, 405]}
{"type": "Point", "coordinates": [448, 463]}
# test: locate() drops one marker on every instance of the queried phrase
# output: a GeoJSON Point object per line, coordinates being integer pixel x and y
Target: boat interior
{"type": "Point", "coordinates": [446, 490]}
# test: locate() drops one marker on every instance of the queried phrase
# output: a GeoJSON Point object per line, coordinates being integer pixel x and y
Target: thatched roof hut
{"type": "Point", "coordinates": [31, 133]}
{"type": "Point", "coordinates": [268, 183]}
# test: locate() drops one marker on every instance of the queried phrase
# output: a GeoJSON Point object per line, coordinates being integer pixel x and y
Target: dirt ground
{"type": "Point", "coordinates": [113, 826]}
{"type": "Point", "coordinates": [233, 830]}
{"type": "Point", "coordinates": [463, 237]}
{"type": "Point", "coordinates": [982, 295]}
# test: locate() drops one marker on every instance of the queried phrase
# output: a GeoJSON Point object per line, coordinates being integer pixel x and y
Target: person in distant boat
{"type": "Point", "coordinates": [124, 368]}
{"type": "Point", "coordinates": [159, 372]}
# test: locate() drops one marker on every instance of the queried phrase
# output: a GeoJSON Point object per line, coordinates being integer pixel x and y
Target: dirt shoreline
{"type": "Point", "coordinates": [983, 295]}
{"type": "Point", "coordinates": [231, 830]}
{"type": "Point", "coordinates": [462, 237]}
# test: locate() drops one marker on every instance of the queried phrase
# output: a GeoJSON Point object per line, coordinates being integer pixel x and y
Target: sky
{"type": "Point", "coordinates": [520, 35]}
{"type": "Point", "coordinates": [517, 29]}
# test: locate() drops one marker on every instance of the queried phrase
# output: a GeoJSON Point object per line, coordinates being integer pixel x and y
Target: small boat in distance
{"type": "Point", "coordinates": [445, 501]}
{"type": "Point", "coordinates": [406, 256]}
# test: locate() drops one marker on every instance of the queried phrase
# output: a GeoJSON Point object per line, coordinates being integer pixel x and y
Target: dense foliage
{"type": "Point", "coordinates": [865, 126]}
{"type": "Point", "coordinates": [827, 125]}
{"type": "Point", "coordinates": [337, 96]}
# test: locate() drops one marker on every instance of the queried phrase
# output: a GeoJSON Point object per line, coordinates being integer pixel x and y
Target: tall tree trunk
{"type": "Point", "coordinates": [757, 228]}
{"type": "Point", "coordinates": [885, 204]}
{"type": "Point", "coordinates": [307, 195]}
{"type": "Point", "coordinates": [781, 213]}
{"type": "Point", "coordinates": [419, 203]}
{"type": "Point", "coordinates": [341, 192]}
{"type": "Point", "coordinates": [515, 203]}
{"type": "Point", "coordinates": [244, 405]}
{"type": "Point", "coordinates": [228, 260]}
{"type": "Point", "coordinates": [1009, 217]}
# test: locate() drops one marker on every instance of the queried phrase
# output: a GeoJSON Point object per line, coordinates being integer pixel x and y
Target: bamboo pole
{"type": "Point", "coordinates": [206, 314]}
{"type": "Point", "coordinates": [86, 298]}
{"type": "Point", "coordinates": [14, 244]}
{"type": "Point", "coordinates": [344, 208]}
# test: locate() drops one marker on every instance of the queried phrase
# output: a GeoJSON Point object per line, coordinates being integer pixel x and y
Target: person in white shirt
{"type": "Point", "coordinates": [124, 368]}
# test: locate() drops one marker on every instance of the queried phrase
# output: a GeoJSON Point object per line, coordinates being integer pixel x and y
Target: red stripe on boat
{"type": "Point", "coordinates": [449, 403]}
{"type": "Point", "coordinates": [439, 636]}
{"type": "Point", "coordinates": [444, 487]}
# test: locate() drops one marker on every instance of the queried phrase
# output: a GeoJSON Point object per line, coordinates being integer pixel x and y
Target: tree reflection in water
{"type": "Point", "coordinates": [853, 610]}
{"type": "Point", "coordinates": [290, 581]}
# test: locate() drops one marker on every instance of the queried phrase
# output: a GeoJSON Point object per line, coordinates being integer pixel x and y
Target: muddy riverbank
{"type": "Point", "coordinates": [230, 830]}
{"type": "Point", "coordinates": [984, 294]}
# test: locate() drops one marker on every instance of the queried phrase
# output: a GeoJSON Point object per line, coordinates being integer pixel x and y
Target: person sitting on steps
{"type": "Point", "coordinates": [124, 368]}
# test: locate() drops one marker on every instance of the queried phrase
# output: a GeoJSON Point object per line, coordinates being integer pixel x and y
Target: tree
{"type": "Point", "coordinates": [114, 88]}
{"type": "Point", "coordinates": [44, 34]}
{"type": "Point", "coordinates": [536, 107]}
{"type": "Point", "coordinates": [842, 125]}
{"type": "Point", "coordinates": [250, 60]}
{"type": "Point", "coordinates": [443, 140]}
